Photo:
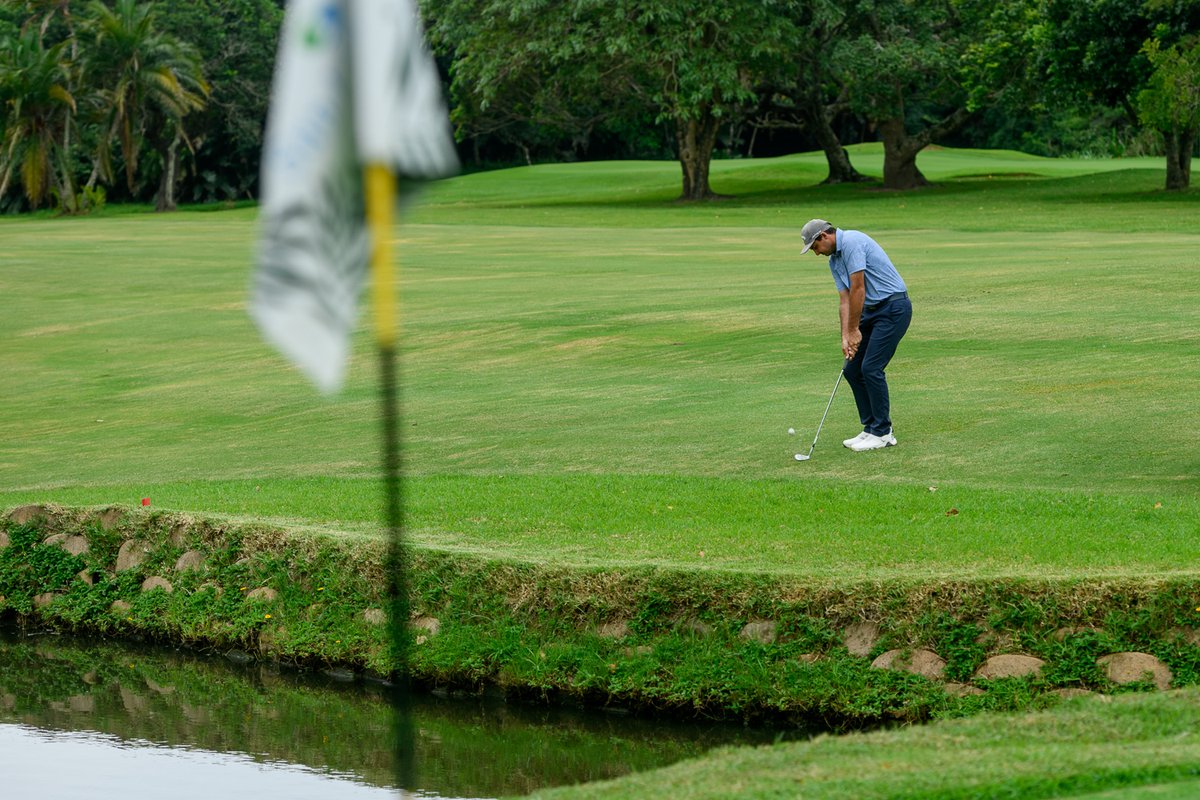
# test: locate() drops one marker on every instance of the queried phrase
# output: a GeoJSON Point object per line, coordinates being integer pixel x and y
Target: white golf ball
{"type": "Point", "coordinates": [791, 430]}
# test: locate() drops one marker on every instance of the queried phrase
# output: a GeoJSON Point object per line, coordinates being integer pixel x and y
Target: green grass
{"type": "Point", "coordinates": [595, 374]}
{"type": "Point", "coordinates": [973, 191]}
{"type": "Point", "coordinates": [1126, 748]}
{"type": "Point", "coordinates": [813, 528]}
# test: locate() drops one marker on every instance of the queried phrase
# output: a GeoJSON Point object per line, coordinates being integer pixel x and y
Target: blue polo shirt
{"type": "Point", "coordinates": [857, 252]}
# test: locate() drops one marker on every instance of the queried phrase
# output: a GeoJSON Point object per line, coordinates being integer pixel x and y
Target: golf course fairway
{"type": "Point", "coordinates": [601, 500]}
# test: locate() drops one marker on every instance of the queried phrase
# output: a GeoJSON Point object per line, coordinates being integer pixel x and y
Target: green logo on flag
{"type": "Point", "coordinates": [324, 28]}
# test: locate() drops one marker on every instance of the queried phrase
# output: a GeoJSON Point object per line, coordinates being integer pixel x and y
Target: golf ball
{"type": "Point", "coordinates": [791, 430]}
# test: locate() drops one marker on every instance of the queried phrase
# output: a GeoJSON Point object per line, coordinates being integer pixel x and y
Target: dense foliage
{"type": "Point", "coordinates": [144, 101]}
{"type": "Point", "coordinates": [1046, 76]}
{"type": "Point", "coordinates": [158, 99]}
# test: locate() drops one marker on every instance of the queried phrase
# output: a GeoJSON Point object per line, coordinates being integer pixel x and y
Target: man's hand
{"type": "Point", "coordinates": [850, 343]}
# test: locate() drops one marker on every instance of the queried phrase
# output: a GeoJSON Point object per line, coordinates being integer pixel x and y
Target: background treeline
{"type": "Point", "coordinates": [559, 79]}
{"type": "Point", "coordinates": [165, 100]}
{"type": "Point", "coordinates": [158, 102]}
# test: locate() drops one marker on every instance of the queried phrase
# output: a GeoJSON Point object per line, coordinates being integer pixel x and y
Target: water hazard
{"type": "Point", "coordinates": [80, 718]}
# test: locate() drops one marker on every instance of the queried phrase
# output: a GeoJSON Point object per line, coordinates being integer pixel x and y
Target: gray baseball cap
{"type": "Point", "coordinates": [810, 231]}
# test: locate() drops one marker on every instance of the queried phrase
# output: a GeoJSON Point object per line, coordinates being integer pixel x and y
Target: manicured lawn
{"type": "Point", "coordinates": [1125, 748]}
{"type": "Point", "coordinates": [595, 374]}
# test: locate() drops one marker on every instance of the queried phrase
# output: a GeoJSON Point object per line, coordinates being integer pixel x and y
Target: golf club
{"type": "Point", "coordinates": [806, 457]}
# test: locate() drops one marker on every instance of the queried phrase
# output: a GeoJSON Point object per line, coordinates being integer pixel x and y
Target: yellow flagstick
{"type": "Point", "coordinates": [379, 186]}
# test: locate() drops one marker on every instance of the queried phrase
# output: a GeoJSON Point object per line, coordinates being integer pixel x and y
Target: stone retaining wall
{"type": "Point", "coordinates": [589, 634]}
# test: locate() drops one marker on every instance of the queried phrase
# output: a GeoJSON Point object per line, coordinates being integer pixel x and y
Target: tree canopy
{"type": "Point", "coordinates": [1170, 103]}
{"type": "Point", "coordinates": [145, 82]}
{"type": "Point", "coordinates": [157, 99]}
{"type": "Point", "coordinates": [581, 64]}
{"type": "Point", "coordinates": [35, 87]}
{"type": "Point", "coordinates": [545, 71]}
{"type": "Point", "coordinates": [171, 95]}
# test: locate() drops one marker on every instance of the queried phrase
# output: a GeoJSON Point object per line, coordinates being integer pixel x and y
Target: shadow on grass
{"type": "Point", "coordinates": [1134, 185]}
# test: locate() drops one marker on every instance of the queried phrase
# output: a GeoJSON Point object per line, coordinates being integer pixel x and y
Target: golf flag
{"type": "Point", "coordinates": [354, 86]}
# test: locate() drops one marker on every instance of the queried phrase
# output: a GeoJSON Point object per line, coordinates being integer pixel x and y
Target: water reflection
{"type": "Point", "coordinates": [49, 765]}
{"type": "Point", "coordinates": [139, 719]}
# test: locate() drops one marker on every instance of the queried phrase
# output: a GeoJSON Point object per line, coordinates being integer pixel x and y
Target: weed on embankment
{"type": "Point", "coordinates": [686, 643]}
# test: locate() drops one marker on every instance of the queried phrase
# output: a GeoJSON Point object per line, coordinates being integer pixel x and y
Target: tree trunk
{"type": "Point", "coordinates": [696, 140]}
{"type": "Point", "coordinates": [10, 165]}
{"type": "Point", "coordinates": [165, 199]}
{"type": "Point", "coordinates": [900, 156]}
{"type": "Point", "coordinates": [66, 185]}
{"type": "Point", "coordinates": [817, 120]}
{"type": "Point", "coordinates": [129, 148]}
{"type": "Point", "coordinates": [900, 150]}
{"type": "Point", "coordinates": [71, 204]}
{"type": "Point", "coordinates": [1179, 159]}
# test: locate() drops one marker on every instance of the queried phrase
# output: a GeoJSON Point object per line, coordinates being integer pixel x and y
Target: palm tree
{"type": "Point", "coordinates": [147, 81]}
{"type": "Point", "coordinates": [38, 114]}
{"type": "Point", "coordinates": [47, 9]}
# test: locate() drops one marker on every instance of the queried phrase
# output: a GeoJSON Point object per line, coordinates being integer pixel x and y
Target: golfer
{"type": "Point", "coordinates": [875, 312]}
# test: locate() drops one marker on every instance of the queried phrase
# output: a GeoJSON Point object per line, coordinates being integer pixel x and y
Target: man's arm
{"type": "Point", "coordinates": [850, 303]}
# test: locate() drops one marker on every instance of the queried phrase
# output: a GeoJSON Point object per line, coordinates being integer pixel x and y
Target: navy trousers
{"type": "Point", "coordinates": [882, 328]}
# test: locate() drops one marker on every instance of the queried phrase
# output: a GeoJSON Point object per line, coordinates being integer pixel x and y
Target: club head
{"type": "Point", "coordinates": [803, 457]}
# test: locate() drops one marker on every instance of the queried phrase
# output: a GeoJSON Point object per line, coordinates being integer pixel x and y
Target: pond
{"type": "Point", "coordinates": [108, 720]}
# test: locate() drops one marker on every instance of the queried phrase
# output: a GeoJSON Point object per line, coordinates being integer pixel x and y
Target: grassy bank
{"type": "Point", "coordinates": [716, 644]}
{"type": "Point", "coordinates": [1120, 749]}
{"type": "Point", "coordinates": [813, 528]}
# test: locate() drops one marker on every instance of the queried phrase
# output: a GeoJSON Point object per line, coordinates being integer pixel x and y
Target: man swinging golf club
{"type": "Point", "coordinates": [875, 313]}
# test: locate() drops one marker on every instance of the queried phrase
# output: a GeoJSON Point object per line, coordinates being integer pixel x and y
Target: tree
{"type": "Point", "coordinates": [526, 76]}
{"type": "Point", "coordinates": [146, 80]}
{"type": "Point", "coordinates": [39, 108]}
{"type": "Point", "coordinates": [701, 62]}
{"type": "Point", "coordinates": [805, 92]}
{"type": "Point", "coordinates": [907, 72]}
{"type": "Point", "coordinates": [693, 64]}
{"type": "Point", "coordinates": [237, 41]}
{"type": "Point", "coordinates": [1170, 103]}
{"type": "Point", "coordinates": [1091, 51]}
{"type": "Point", "coordinates": [42, 13]}
{"type": "Point", "coordinates": [890, 63]}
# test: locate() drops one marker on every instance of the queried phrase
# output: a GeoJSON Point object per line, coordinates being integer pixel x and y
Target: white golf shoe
{"type": "Point", "coordinates": [872, 442]}
{"type": "Point", "coordinates": [855, 440]}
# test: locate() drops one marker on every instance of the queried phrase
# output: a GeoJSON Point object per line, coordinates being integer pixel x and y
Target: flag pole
{"type": "Point", "coordinates": [380, 197]}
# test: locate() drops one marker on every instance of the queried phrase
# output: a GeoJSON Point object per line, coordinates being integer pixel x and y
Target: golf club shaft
{"type": "Point", "coordinates": [832, 395]}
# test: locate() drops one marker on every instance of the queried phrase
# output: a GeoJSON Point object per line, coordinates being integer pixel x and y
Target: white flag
{"type": "Point", "coordinates": [354, 84]}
